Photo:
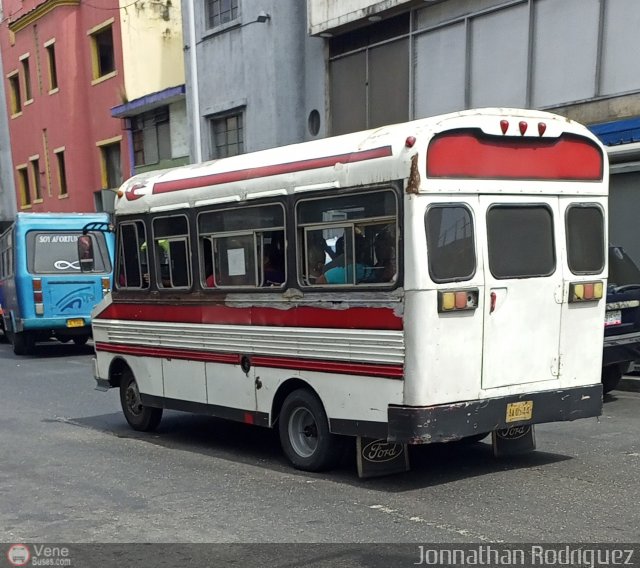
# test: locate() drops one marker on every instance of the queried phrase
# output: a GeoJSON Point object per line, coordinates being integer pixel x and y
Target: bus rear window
{"type": "Point", "coordinates": [585, 239]}
{"type": "Point", "coordinates": [57, 252]}
{"type": "Point", "coordinates": [520, 241]}
{"type": "Point", "coordinates": [450, 243]}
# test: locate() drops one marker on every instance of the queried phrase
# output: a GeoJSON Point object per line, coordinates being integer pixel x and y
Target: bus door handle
{"type": "Point", "coordinates": [493, 298]}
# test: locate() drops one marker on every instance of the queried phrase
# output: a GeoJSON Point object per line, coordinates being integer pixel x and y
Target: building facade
{"type": "Point", "coordinates": [153, 110]}
{"type": "Point", "coordinates": [256, 78]}
{"type": "Point", "coordinates": [63, 72]}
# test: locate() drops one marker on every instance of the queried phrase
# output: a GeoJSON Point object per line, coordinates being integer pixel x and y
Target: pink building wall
{"type": "Point", "coordinates": [78, 115]}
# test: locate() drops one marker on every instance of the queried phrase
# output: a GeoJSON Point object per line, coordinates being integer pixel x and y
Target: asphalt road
{"type": "Point", "coordinates": [72, 471]}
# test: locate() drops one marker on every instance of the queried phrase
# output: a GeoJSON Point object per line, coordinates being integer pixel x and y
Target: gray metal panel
{"type": "Point", "coordinates": [440, 71]}
{"type": "Point", "coordinates": [565, 51]}
{"type": "Point", "coordinates": [389, 83]}
{"type": "Point", "coordinates": [624, 213]}
{"type": "Point", "coordinates": [499, 53]}
{"type": "Point", "coordinates": [620, 71]}
{"type": "Point", "coordinates": [348, 94]}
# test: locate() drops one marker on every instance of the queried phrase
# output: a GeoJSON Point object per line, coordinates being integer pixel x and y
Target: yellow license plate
{"type": "Point", "coordinates": [75, 323]}
{"type": "Point", "coordinates": [517, 411]}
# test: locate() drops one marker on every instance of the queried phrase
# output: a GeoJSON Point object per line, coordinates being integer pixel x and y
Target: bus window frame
{"type": "Point", "coordinates": [186, 239]}
{"type": "Point", "coordinates": [585, 205]}
{"type": "Point", "coordinates": [258, 237]}
{"type": "Point", "coordinates": [464, 205]}
{"type": "Point", "coordinates": [118, 255]}
{"type": "Point", "coordinates": [301, 230]}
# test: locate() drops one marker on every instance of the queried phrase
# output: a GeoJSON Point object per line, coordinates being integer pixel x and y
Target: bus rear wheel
{"type": "Point", "coordinates": [140, 417]}
{"type": "Point", "coordinates": [304, 433]}
{"type": "Point", "coordinates": [23, 343]}
{"type": "Point", "coordinates": [81, 339]}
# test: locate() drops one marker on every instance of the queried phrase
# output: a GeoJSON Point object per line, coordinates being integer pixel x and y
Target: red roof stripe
{"type": "Point", "coordinates": [271, 170]}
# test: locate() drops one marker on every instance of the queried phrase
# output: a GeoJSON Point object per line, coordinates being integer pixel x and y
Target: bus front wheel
{"type": "Point", "coordinates": [304, 433]}
{"type": "Point", "coordinates": [23, 343]}
{"type": "Point", "coordinates": [139, 417]}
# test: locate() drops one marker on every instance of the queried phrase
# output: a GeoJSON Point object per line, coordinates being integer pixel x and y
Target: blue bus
{"type": "Point", "coordinates": [43, 292]}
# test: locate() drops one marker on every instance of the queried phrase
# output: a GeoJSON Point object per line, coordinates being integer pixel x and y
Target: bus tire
{"type": "Point", "coordinates": [81, 339]}
{"type": "Point", "coordinates": [140, 418]}
{"type": "Point", "coordinates": [304, 433]}
{"type": "Point", "coordinates": [611, 375]}
{"type": "Point", "coordinates": [23, 343]}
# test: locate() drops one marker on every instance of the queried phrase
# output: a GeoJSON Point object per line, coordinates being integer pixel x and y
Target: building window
{"type": "Point", "coordinates": [51, 61]}
{"type": "Point", "coordinates": [111, 171]}
{"type": "Point", "coordinates": [151, 137]}
{"type": "Point", "coordinates": [26, 73]}
{"type": "Point", "coordinates": [102, 54]}
{"type": "Point", "coordinates": [35, 176]}
{"type": "Point", "coordinates": [227, 135]}
{"type": "Point", "coordinates": [15, 96]}
{"type": "Point", "coordinates": [62, 172]}
{"type": "Point", "coordinates": [23, 187]}
{"type": "Point", "coordinates": [220, 12]}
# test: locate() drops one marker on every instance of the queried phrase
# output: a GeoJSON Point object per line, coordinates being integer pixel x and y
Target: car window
{"type": "Point", "coordinates": [622, 269]}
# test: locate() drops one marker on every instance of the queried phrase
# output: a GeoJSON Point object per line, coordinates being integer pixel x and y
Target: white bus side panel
{"type": "Point", "coordinates": [444, 351]}
{"type": "Point", "coordinates": [582, 323]}
{"type": "Point", "coordinates": [345, 397]}
{"type": "Point", "coordinates": [228, 385]}
{"type": "Point", "coordinates": [184, 380]}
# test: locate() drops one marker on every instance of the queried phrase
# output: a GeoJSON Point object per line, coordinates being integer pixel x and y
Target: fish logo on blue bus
{"type": "Point", "coordinates": [75, 299]}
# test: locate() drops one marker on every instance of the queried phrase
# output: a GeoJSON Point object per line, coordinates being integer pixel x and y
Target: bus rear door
{"type": "Point", "coordinates": [523, 290]}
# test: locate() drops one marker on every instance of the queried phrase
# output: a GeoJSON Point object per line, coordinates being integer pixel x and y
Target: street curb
{"type": "Point", "coordinates": [629, 383]}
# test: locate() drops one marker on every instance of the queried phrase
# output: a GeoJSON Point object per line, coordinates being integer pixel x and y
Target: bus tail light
{"type": "Point", "coordinates": [37, 296]}
{"type": "Point", "coordinates": [106, 285]}
{"type": "Point", "coordinates": [457, 300]}
{"type": "Point", "coordinates": [586, 291]}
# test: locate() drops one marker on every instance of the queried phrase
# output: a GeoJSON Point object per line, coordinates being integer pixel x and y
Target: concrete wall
{"type": "Point", "coordinates": [151, 46]}
{"type": "Point", "coordinates": [273, 71]}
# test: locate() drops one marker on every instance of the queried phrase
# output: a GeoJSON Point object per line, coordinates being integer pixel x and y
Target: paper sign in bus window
{"type": "Point", "coordinates": [235, 262]}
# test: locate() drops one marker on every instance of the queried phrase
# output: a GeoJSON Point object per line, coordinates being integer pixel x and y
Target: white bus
{"type": "Point", "coordinates": [416, 283]}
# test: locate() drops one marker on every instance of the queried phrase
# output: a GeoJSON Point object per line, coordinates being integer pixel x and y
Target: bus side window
{"type": "Point", "coordinates": [132, 261]}
{"type": "Point", "coordinates": [348, 240]}
{"type": "Point", "coordinates": [171, 250]}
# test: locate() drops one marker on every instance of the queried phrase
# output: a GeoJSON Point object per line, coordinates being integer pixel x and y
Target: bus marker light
{"type": "Point", "coordinates": [457, 300]}
{"type": "Point", "coordinates": [39, 309]}
{"type": "Point", "coordinates": [585, 291]}
{"type": "Point", "coordinates": [410, 141]}
{"type": "Point", "coordinates": [523, 127]}
{"type": "Point", "coordinates": [37, 296]}
{"type": "Point", "coordinates": [542, 127]}
{"type": "Point", "coordinates": [37, 285]}
{"type": "Point", "coordinates": [504, 126]}
{"type": "Point", "coordinates": [106, 286]}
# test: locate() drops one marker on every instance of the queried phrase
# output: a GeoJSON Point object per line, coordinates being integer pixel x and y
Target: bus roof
{"type": "Point", "coordinates": [360, 158]}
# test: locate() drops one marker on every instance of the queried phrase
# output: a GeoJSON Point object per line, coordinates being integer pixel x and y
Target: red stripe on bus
{"type": "Point", "coordinates": [169, 353]}
{"type": "Point", "coordinates": [349, 318]}
{"type": "Point", "coordinates": [271, 170]}
{"type": "Point", "coordinates": [343, 368]}
{"type": "Point", "coordinates": [468, 155]}
{"type": "Point", "coordinates": [336, 367]}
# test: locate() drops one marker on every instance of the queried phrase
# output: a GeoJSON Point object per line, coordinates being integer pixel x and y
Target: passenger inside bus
{"type": "Point", "coordinates": [344, 274]}
{"type": "Point", "coordinates": [273, 265]}
{"type": "Point", "coordinates": [385, 251]}
{"type": "Point", "coordinates": [316, 256]}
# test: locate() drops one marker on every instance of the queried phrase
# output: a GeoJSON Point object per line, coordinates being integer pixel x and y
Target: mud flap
{"type": "Point", "coordinates": [379, 457]}
{"type": "Point", "coordinates": [513, 441]}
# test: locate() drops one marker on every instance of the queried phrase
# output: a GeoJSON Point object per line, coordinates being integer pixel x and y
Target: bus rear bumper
{"type": "Point", "coordinates": [450, 422]}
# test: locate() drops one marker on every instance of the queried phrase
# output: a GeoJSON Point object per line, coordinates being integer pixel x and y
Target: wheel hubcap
{"type": "Point", "coordinates": [303, 432]}
{"type": "Point", "coordinates": [133, 399]}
